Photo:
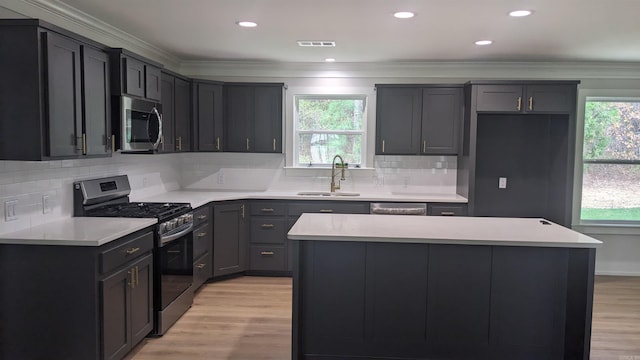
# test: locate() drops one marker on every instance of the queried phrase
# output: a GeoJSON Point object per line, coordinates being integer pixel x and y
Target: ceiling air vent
{"type": "Point", "coordinates": [316, 43]}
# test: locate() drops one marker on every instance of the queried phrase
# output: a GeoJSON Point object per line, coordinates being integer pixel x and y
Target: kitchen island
{"type": "Point", "coordinates": [421, 287]}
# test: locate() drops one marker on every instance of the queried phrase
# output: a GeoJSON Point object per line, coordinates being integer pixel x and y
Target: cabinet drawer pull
{"type": "Point", "coordinates": [201, 266]}
{"type": "Point", "coordinates": [218, 143]}
{"type": "Point", "coordinates": [202, 217]}
{"type": "Point", "coordinates": [267, 226]}
{"type": "Point", "coordinates": [326, 210]}
{"type": "Point", "coordinates": [113, 143]}
{"type": "Point", "coordinates": [530, 103]}
{"type": "Point", "coordinates": [383, 146]}
{"type": "Point", "coordinates": [447, 213]}
{"type": "Point", "coordinates": [202, 234]}
{"type": "Point", "coordinates": [519, 107]}
{"type": "Point", "coordinates": [247, 144]}
{"type": "Point", "coordinates": [84, 144]}
{"type": "Point", "coordinates": [267, 253]}
{"type": "Point", "coordinates": [424, 146]}
{"type": "Point", "coordinates": [267, 210]}
{"type": "Point", "coordinates": [274, 144]}
{"type": "Point", "coordinates": [179, 143]}
{"type": "Point", "coordinates": [132, 250]}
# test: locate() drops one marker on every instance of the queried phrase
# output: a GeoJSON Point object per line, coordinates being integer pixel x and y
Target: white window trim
{"type": "Point", "coordinates": [368, 145]}
{"type": "Point", "coordinates": [590, 226]}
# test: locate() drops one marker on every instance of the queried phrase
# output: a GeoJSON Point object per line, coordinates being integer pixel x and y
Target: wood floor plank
{"type": "Point", "coordinates": [249, 318]}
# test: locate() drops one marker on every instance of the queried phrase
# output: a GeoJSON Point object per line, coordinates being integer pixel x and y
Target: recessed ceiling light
{"type": "Point", "coordinates": [404, 15]}
{"type": "Point", "coordinates": [247, 23]}
{"type": "Point", "coordinates": [520, 13]}
{"type": "Point", "coordinates": [329, 59]}
{"type": "Point", "coordinates": [484, 42]}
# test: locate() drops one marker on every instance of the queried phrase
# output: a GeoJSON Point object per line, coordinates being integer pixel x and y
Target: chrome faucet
{"type": "Point", "coordinates": [335, 187]}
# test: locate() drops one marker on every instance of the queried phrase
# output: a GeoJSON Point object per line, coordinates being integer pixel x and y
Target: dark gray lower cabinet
{"type": "Point", "coordinates": [76, 302]}
{"type": "Point", "coordinates": [202, 246]}
{"type": "Point", "coordinates": [229, 237]}
{"type": "Point", "coordinates": [366, 300]}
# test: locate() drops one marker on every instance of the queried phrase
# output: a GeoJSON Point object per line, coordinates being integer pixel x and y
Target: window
{"type": "Point", "coordinates": [329, 125]}
{"type": "Point", "coordinates": [611, 160]}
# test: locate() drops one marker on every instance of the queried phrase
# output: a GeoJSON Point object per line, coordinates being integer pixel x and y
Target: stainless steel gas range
{"type": "Point", "coordinates": [173, 250]}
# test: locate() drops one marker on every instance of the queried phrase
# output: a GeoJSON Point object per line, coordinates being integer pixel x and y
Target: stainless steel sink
{"type": "Point", "coordinates": [326, 193]}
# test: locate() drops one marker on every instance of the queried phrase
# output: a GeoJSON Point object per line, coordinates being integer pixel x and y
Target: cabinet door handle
{"type": "Point", "coordinates": [326, 210]}
{"type": "Point", "coordinates": [84, 144]}
{"type": "Point", "coordinates": [179, 143]}
{"type": "Point", "coordinates": [267, 210]}
{"type": "Point", "coordinates": [162, 141]}
{"type": "Point", "coordinates": [267, 226]}
{"type": "Point", "coordinates": [247, 144]}
{"type": "Point", "coordinates": [530, 103]}
{"type": "Point", "coordinates": [218, 143]}
{"type": "Point", "coordinates": [131, 251]}
{"type": "Point", "coordinates": [242, 208]}
{"type": "Point", "coordinates": [274, 144]}
{"type": "Point", "coordinates": [201, 266]}
{"type": "Point", "coordinates": [424, 146]}
{"type": "Point", "coordinates": [267, 253]}
{"type": "Point", "coordinates": [202, 217]}
{"type": "Point", "coordinates": [113, 143]}
{"type": "Point", "coordinates": [202, 234]}
{"type": "Point", "coordinates": [383, 146]}
{"type": "Point", "coordinates": [137, 277]}
{"type": "Point", "coordinates": [519, 103]}
{"type": "Point", "coordinates": [447, 213]}
{"type": "Point", "coordinates": [131, 283]}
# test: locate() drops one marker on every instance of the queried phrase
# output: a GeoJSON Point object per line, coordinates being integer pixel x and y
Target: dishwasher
{"type": "Point", "coordinates": [398, 208]}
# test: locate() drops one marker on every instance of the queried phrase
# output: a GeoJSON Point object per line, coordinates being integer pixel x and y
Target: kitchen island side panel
{"type": "Point", "coordinates": [351, 298]}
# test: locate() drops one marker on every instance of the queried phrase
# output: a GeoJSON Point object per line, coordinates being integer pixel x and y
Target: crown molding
{"type": "Point", "coordinates": [494, 70]}
{"type": "Point", "coordinates": [72, 19]}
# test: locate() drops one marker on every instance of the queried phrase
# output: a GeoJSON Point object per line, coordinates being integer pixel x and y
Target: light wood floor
{"type": "Point", "coordinates": [250, 318]}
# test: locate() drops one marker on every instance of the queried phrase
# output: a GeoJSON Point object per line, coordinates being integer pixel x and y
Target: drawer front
{"type": "Point", "coordinates": [125, 252]}
{"type": "Point", "coordinates": [297, 208]}
{"type": "Point", "coordinates": [447, 209]}
{"type": "Point", "coordinates": [202, 270]}
{"type": "Point", "coordinates": [268, 208]}
{"type": "Point", "coordinates": [267, 258]}
{"type": "Point", "coordinates": [201, 214]}
{"type": "Point", "coordinates": [267, 230]}
{"type": "Point", "coordinates": [202, 240]}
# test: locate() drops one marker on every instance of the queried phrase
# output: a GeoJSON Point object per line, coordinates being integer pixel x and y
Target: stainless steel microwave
{"type": "Point", "coordinates": [141, 127]}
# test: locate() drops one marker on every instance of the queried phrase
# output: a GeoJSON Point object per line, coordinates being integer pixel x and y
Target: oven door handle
{"type": "Point", "coordinates": [169, 238]}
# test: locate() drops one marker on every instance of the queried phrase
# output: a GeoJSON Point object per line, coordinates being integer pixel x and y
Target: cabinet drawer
{"type": "Point", "coordinates": [297, 208]}
{"type": "Point", "coordinates": [267, 258]}
{"type": "Point", "coordinates": [201, 215]}
{"type": "Point", "coordinates": [202, 270]}
{"type": "Point", "coordinates": [267, 230]}
{"type": "Point", "coordinates": [202, 240]}
{"type": "Point", "coordinates": [125, 252]}
{"type": "Point", "coordinates": [268, 208]}
{"type": "Point", "coordinates": [447, 209]}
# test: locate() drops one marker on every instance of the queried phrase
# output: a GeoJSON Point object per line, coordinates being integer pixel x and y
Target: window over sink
{"type": "Point", "coordinates": [326, 125]}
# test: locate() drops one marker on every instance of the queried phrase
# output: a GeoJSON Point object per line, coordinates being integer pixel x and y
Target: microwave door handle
{"type": "Point", "coordinates": [159, 138]}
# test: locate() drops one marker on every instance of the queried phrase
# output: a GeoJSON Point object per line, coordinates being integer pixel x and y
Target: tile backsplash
{"type": "Point", "coordinates": [30, 182]}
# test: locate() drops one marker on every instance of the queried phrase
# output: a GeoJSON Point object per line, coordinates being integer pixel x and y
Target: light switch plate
{"type": "Point", "coordinates": [10, 210]}
{"type": "Point", "coordinates": [46, 204]}
{"type": "Point", "coordinates": [502, 183]}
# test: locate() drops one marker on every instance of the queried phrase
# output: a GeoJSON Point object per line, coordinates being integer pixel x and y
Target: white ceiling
{"type": "Point", "coordinates": [366, 31]}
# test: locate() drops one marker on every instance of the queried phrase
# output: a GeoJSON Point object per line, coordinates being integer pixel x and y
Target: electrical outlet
{"type": "Point", "coordinates": [502, 183]}
{"type": "Point", "coordinates": [10, 210]}
{"type": "Point", "coordinates": [46, 204]}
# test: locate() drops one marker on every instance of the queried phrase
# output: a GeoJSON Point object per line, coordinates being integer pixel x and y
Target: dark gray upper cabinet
{"type": "Point", "coordinates": [96, 95]}
{"type": "Point", "coordinates": [134, 75]}
{"type": "Point", "coordinates": [418, 120]}
{"type": "Point", "coordinates": [168, 121]}
{"type": "Point", "coordinates": [54, 82]}
{"type": "Point", "coordinates": [398, 116]}
{"type": "Point", "coordinates": [208, 110]}
{"type": "Point", "coordinates": [182, 115]}
{"type": "Point", "coordinates": [253, 117]}
{"type": "Point", "coordinates": [176, 113]}
{"type": "Point", "coordinates": [534, 98]}
{"type": "Point", "coordinates": [229, 238]}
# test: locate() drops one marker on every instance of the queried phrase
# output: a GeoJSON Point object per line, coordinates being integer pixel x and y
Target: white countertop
{"type": "Point", "coordinates": [78, 231]}
{"type": "Point", "coordinates": [438, 230]}
{"type": "Point", "coordinates": [199, 198]}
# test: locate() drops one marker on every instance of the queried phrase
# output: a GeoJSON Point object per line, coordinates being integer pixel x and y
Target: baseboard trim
{"type": "Point", "coordinates": [617, 273]}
